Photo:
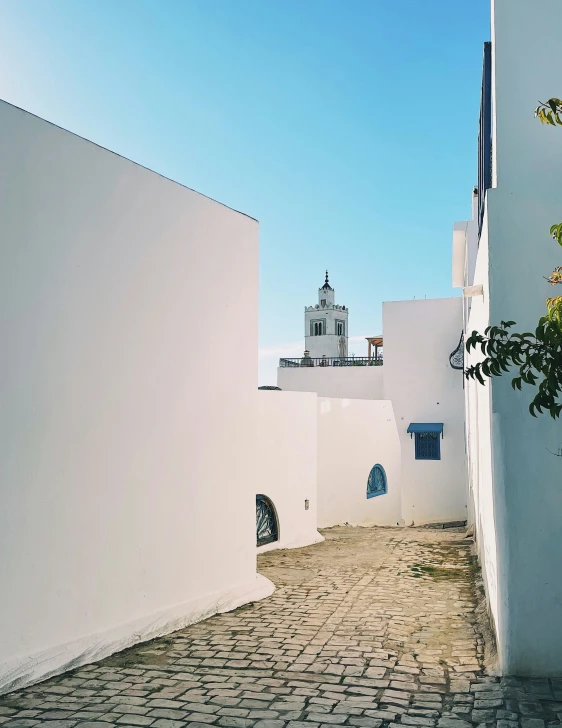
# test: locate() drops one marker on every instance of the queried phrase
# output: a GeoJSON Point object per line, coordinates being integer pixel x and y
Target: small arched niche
{"type": "Point", "coordinates": [267, 526]}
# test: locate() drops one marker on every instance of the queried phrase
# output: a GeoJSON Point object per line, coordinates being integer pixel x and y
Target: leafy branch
{"type": "Point", "coordinates": [538, 356]}
{"type": "Point", "coordinates": [549, 112]}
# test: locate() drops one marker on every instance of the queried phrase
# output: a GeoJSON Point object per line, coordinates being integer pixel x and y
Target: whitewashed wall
{"type": "Point", "coordinates": [479, 435]}
{"type": "Point", "coordinates": [527, 491]}
{"type": "Point", "coordinates": [286, 456]}
{"type": "Point", "coordinates": [419, 385]}
{"type": "Point", "coordinates": [353, 436]}
{"type": "Point", "coordinates": [418, 379]}
{"type": "Point", "coordinates": [127, 510]}
{"type": "Point", "coordinates": [349, 382]}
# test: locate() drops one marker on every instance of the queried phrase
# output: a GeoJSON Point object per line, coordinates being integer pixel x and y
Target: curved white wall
{"type": "Point", "coordinates": [127, 510]}
{"type": "Point", "coordinates": [286, 464]}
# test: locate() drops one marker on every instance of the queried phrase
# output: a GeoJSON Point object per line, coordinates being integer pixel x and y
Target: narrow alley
{"type": "Point", "coordinates": [374, 627]}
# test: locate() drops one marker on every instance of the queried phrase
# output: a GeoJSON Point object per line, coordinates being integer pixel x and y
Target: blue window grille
{"type": "Point", "coordinates": [428, 446]}
{"type": "Point", "coordinates": [376, 483]}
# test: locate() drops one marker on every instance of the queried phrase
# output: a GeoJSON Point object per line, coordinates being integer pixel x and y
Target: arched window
{"type": "Point", "coordinates": [376, 483]}
{"type": "Point", "coordinates": [267, 529]}
{"type": "Point", "coordinates": [317, 328]}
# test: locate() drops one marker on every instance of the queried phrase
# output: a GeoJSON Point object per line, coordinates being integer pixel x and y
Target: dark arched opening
{"type": "Point", "coordinates": [267, 529]}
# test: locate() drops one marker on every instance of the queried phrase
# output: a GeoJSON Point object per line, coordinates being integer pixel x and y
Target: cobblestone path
{"type": "Point", "coordinates": [373, 627]}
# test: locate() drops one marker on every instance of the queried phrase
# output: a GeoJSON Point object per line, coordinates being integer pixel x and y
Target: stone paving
{"type": "Point", "coordinates": [372, 628]}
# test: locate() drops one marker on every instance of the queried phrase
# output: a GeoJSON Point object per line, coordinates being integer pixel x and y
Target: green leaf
{"type": "Point", "coordinates": [556, 233]}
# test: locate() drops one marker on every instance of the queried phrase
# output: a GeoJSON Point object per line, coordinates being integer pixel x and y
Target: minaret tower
{"type": "Point", "coordinates": [325, 325]}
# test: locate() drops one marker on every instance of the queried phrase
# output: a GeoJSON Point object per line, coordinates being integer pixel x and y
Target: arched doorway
{"type": "Point", "coordinates": [267, 529]}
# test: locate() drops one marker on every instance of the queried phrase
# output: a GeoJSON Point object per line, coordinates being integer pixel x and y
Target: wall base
{"type": "Point", "coordinates": [33, 668]}
{"type": "Point", "coordinates": [353, 524]}
{"type": "Point", "coordinates": [296, 544]}
{"type": "Point", "coordinates": [452, 523]}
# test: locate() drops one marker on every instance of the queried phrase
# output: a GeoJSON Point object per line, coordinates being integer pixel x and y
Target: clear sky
{"type": "Point", "coordinates": [348, 128]}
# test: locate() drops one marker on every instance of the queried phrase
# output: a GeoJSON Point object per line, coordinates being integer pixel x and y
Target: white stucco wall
{"type": "Point", "coordinates": [328, 345]}
{"type": "Point", "coordinates": [527, 478]}
{"type": "Point", "coordinates": [348, 382]}
{"type": "Point", "coordinates": [419, 336]}
{"type": "Point", "coordinates": [419, 385]}
{"type": "Point", "coordinates": [353, 436]}
{"type": "Point", "coordinates": [126, 507]}
{"type": "Point", "coordinates": [479, 437]}
{"type": "Point", "coordinates": [286, 457]}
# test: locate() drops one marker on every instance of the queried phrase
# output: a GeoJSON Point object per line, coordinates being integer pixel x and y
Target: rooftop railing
{"type": "Point", "coordinates": [325, 361]}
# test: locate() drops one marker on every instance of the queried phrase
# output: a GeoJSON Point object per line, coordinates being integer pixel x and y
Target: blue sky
{"type": "Point", "coordinates": [348, 128]}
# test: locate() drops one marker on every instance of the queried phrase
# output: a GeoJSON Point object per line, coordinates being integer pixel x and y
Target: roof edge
{"type": "Point", "coordinates": [132, 161]}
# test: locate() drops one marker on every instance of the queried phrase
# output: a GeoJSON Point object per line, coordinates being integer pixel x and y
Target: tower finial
{"type": "Point", "coordinates": [326, 286]}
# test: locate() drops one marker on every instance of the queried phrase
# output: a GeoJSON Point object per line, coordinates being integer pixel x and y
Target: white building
{"type": "Point", "coordinates": [375, 411]}
{"type": "Point", "coordinates": [503, 254]}
{"type": "Point", "coordinates": [325, 325]}
{"type": "Point", "coordinates": [127, 509]}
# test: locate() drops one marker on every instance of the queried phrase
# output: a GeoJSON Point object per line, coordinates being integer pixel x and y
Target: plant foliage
{"type": "Point", "coordinates": [538, 358]}
{"type": "Point", "coordinates": [549, 112]}
{"type": "Point", "coordinates": [538, 355]}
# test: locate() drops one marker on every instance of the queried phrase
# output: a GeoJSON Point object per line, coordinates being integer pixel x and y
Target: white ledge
{"type": "Point", "coordinates": [470, 291]}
